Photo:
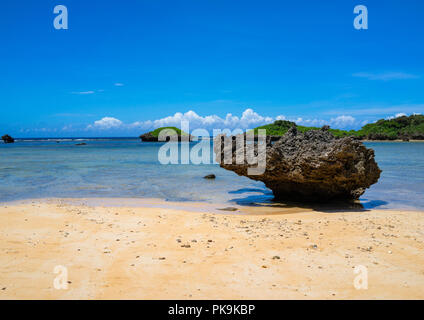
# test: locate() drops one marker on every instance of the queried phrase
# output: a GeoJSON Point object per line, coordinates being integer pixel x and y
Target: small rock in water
{"type": "Point", "coordinates": [209, 176]}
{"type": "Point", "coordinates": [7, 139]}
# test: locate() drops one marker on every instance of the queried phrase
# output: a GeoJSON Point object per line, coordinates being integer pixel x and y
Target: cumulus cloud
{"type": "Point", "coordinates": [106, 123]}
{"type": "Point", "coordinates": [343, 121]}
{"type": "Point", "coordinates": [249, 119]}
{"type": "Point", "coordinates": [385, 76]}
{"type": "Point", "coordinates": [338, 122]}
{"type": "Point", "coordinates": [310, 122]}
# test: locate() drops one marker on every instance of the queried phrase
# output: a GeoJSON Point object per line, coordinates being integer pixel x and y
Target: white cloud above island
{"type": "Point", "coordinates": [247, 120]}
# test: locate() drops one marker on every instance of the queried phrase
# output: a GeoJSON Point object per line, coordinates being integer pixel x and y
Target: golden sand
{"type": "Point", "coordinates": [166, 253]}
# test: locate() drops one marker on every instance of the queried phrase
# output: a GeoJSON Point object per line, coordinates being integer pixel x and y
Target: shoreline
{"type": "Point", "coordinates": [191, 253]}
{"type": "Point", "coordinates": [73, 139]}
{"type": "Point", "coordinates": [397, 140]}
{"type": "Point", "coordinates": [243, 208]}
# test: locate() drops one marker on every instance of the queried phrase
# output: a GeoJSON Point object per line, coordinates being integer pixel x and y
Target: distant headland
{"type": "Point", "coordinates": [401, 128]}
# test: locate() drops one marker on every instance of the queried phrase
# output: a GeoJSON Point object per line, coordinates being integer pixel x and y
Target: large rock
{"type": "Point", "coordinates": [8, 139]}
{"type": "Point", "coordinates": [310, 167]}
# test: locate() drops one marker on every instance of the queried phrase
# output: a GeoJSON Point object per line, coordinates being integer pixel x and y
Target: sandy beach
{"type": "Point", "coordinates": [160, 252]}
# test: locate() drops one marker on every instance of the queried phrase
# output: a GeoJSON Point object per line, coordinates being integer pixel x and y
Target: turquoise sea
{"type": "Point", "coordinates": [128, 168]}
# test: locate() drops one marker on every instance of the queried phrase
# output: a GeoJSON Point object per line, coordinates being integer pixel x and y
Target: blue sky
{"type": "Point", "coordinates": [124, 67]}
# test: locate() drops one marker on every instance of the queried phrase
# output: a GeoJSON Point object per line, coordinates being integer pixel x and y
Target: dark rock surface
{"type": "Point", "coordinates": [209, 176]}
{"type": "Point", "coordinates": [310, 167]}
{"type": "Point", "coordinates": [7, 139]}
{"type": "Point", "coordinates": [148, 137]}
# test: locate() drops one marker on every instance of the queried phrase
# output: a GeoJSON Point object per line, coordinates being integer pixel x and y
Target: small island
{"type": "Point", "coordinates": [7, 139]}
{"type": "Point", "coordinates": [171, 134]}
{"type": "Point", "coordinates": [402, 128]}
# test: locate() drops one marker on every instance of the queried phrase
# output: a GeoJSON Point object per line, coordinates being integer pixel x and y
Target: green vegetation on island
{"type": "Point", "coordinates": [402, 128]}
{"type": "Point", "coordinates": [170, 130]}
{"type": "Point", "coordinates": [153, 136]}
{"type": "Point", "coordinates": [280, 127]}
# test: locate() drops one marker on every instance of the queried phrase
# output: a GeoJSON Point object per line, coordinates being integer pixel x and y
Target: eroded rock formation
{"type": "Point", "coordinates": [8, 139]}
{"type": "Point", "coordinates": [309, 167]}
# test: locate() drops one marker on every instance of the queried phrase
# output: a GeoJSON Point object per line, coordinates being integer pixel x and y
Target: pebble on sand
{"type": "Point", "coordinates": [228, 209]}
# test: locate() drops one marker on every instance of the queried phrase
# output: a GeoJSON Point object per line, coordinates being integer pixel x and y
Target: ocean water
{"type": "Point", "coordinates": [128, 168]}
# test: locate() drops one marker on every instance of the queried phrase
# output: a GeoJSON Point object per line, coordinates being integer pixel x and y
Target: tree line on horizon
{"type": "Point", "coordinates": [400, 128]}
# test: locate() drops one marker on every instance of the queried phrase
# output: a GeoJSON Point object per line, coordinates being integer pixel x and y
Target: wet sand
{"type": "Point", "coordinates": [194, 251]}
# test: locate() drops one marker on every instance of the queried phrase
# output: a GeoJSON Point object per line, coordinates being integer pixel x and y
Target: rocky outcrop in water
{"type": "Point", "coordinates": [7, 139]}
{"type": "Point", "coordinates": [309, 167]}
{"type": "Point", "coordinates": [169, 134]}
{"type": "Point", "coordinates": [148, 137]}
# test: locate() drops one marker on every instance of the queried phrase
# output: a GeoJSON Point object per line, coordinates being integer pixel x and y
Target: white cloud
{"type": "Point", "coordinates": [106, 123]}
{"type": "Point", "coordinates": [83, 92]}
{"type": "Point", "coordinates": [385, 76]}
{"type": "Point", "coordinates": [118, 84]}
{"type": "Point", "coordinates": [343, 121]}
{"type": "Point", "coordinates": [379, 110]}
{"type": "Point", "coordinates": [67, 127]}
{"type": "Point", "coordinates": [400, 115]}
{"type": "Point", "coordinates": [338, 122]}
{"type": "Point", "coordinates": [310, 122]}
{"type": "Point", "coordinates": [397, 115]}
{"type": "Point", "coordinates": [249, 119]}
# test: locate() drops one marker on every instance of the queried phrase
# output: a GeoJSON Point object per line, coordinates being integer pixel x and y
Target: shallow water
{"type": "Point", "coordinates": [127, 168]}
